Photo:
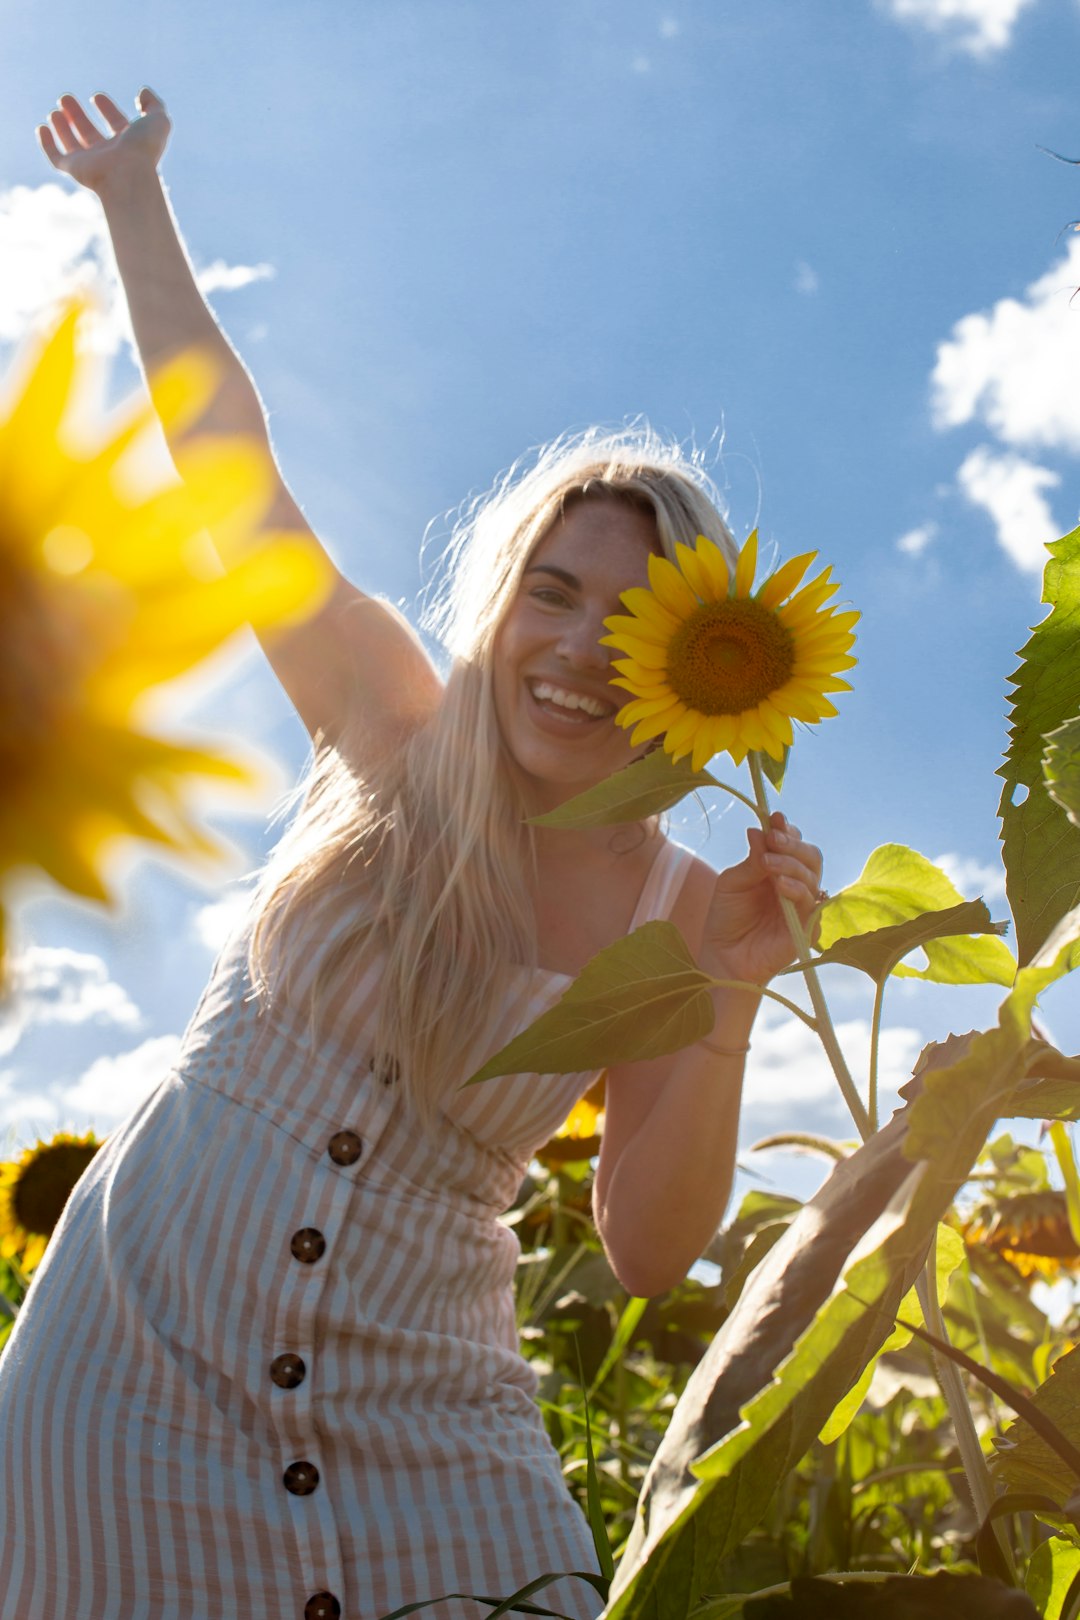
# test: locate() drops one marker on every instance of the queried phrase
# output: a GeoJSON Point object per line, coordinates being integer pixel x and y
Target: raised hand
{"type": "Point", "coordinates": [746, 935]}
{"type": "Point", "coordinates": [74, 144]}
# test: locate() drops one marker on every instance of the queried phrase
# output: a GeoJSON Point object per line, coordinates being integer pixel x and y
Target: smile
{"type": "Point", "coordinates": [568, 707]}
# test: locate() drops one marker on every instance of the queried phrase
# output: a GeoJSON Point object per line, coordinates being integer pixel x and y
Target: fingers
{"type": "Point", "coordinates": [48, 145]}
{"type": "Point", "coordinates": [148, 100]}
{"type": "Point", "coordinates": [87, 133]}
{"type": "Point", "coordinates": [111, 113]}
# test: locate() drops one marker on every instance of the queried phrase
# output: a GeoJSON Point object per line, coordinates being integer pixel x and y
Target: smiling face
{"type": "Point", "coordinates": [553, 700]}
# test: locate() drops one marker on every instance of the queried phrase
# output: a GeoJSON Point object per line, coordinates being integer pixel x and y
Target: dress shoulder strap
{"type": "Point", "coordinates": [662, 887]}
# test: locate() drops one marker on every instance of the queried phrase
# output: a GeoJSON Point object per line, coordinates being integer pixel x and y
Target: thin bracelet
{"type": "Point", "coordinates": [725, 1051]}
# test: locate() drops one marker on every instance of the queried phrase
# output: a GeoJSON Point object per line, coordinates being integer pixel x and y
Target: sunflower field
{"type": "Point", "coordinates": [855, 1405]}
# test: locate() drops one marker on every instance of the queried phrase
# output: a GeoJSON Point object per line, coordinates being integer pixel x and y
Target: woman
{"type": "Point", "coordinates": [269, 1365]}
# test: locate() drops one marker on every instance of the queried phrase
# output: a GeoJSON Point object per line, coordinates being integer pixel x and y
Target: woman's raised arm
{"type": "Point", "coordinates": [354, 654]}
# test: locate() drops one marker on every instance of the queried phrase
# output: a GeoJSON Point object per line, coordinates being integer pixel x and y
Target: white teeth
{"type": "Point", "coordinates": [545, 693]}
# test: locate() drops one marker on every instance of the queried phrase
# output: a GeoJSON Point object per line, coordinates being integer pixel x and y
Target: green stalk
{"type": "Point", "coordinates": [875, 1037]}
{"type": "Point", "coordinates": [952, 1388]}
{"type": "Point", "coordinates": [813, 984]}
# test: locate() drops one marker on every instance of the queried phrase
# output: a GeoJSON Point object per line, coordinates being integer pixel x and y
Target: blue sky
{"type": "Point", "coordinates": [817, 238]}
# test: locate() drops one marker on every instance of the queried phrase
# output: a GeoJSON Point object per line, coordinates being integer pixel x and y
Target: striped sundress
{"type": "Point", "coordinates": [268, 1368]}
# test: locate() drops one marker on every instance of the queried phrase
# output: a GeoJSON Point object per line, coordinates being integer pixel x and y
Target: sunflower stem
{"type": "Point", "coordinates": [952, 1388]}
{"type": "Point", "coordinates": [774, 995]}
{"type": "Point", "coordinates": [826, 1032]}
{"type": "Point", "coordinates": [875, 1040]}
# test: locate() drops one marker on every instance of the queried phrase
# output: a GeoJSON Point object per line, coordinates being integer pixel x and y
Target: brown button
{"type": "Point", "coordinates": [301, 1478]}
{"type": "Point", "coordinates": [287, 1370]}
{"type": "Point", "coordinates": [308, 1245]}
{"type": "Point", "coordinates": [345, 1147]}
{"type": "Point", "coordinates": [322, 1606]}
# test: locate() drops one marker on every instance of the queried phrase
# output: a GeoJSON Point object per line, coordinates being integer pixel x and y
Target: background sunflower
{"type": "Point", "coordinates": [33, 1191]}
{"type": "Point", "coordinates": [106, 591]}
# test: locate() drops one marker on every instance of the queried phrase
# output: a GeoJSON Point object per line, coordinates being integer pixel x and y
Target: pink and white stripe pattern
{"type": "Point", "coordinates": [268, 1368]}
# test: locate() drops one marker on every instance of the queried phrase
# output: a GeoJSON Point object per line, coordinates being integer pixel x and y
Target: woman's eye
{"type": "Point", "coordinates": [548, 594]}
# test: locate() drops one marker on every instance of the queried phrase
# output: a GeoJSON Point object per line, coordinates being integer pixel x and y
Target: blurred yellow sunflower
{"type": "Point", "coordinates": [579, 1136]}
{"type": "Point", "coordinates": [719, 668]}
{"type": "Point", "coordinates": [1030, 1231]}
{"type": "Point", "coordinates": [33, 1191]}
{"type": "Point", "coordinates": [108, 589]}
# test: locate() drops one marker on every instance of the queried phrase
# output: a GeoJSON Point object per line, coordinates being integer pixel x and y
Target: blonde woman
{"type": "Point", "coordinates": [268, 1368]}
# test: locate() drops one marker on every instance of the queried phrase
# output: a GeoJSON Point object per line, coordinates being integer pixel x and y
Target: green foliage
{"type": "Point", "coordinates": [879, 952]}
{"type": "Point", "coordinates": [642, 997]}
{"type": "Point", "coordinates": [1041, 845]}
{"type": "Point", "coordinates": [898, 884]}
{"type": "Point", "coordinates": [901, 1597]}
{"type": "Point", "coordinates": [645, 788]}
{"type": "Point", "coordinates": [1061, 768]}
{"type": "Point", "coordinates": [1054, 1566]}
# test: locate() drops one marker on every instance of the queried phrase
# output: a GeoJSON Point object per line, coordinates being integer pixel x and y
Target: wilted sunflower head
{"type": "Point", "coordinates": [1030, 1231]}
{"type": "Point", "coordinates": [33, 1191]}
{"type": "Point", "coordinates": [715, 666]}
{"type": "Point", "coordinates": [108, 588]}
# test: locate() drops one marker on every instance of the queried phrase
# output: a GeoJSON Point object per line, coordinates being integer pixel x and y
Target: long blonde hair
{"type": "Point", "coordinates": [427, 848]}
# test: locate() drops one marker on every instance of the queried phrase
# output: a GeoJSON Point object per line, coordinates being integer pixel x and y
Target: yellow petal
{"type": "Point", "coordinates": [715, 565]}
{"type": "Point", "coordinates": [651, 655]}
{"type": "Point", "coordinates": [784, 581]}
{"type": "Point", "coordinates": [647, 606]}
{"type": "Point", "coordinates": [641, 629]}
{"type": "Point", "coordinates": [669, 585]}
{"type": "Point", "coordinates": [746, 567]}
{"type": "Point", "coordinates": [693, 571]}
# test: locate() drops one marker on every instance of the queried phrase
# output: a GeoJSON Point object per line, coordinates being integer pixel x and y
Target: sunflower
{"type": "Point", "coordinates": [1030, 1231]}
{"type": "Point", "coordinates": [579, 1136]}
{"type": "Point", "coordinates": [108, 588]}
{"type": "Point", "coordinates": [719, 668]}
{"type": "Point", "coordinates": [33, 1191]}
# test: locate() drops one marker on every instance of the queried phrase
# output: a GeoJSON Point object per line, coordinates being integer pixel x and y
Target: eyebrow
{"type": "Point", "coordinates": [560, 573]}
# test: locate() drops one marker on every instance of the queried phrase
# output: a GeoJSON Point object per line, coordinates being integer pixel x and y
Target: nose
{"type": "Point", "coordinates": [579, 645]}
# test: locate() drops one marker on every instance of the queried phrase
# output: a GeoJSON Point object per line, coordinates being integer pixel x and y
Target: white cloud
{"type": "Point", "coordinates": [669, 27]}
{"type": "Point", "coordinates": [972, 877]}
{"type": "Point", "coordinates": [59, 986]}
{"type": "Point", "coordinates": [1014, 367]}
{"type": "Point", "coordinates": [807, 281]}
{"type": "Point", "coordinates": [788, 1069]}
{"type": "Point", "coordinates": [1010, 489]}
{"type": "Point", "coordinates": [222, 277]}
{"type": "Point", "coordinates": [979, 27]}
{"type": "Point", "coordinates": [113, 1086]}
{"type": "Point", "coordinates": [53, 243]}
{"type": "Point", "coordinates": [915, 541]}
{"type": "Point", "coordinates": [641, 63]}
{"type": "Point", "coordinates": [213, 924]}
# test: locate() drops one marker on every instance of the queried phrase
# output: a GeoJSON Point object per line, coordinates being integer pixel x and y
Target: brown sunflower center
{"type": "Point", "coordinates": [729, 656]}
{"type": "Point", "coordinates": [45, 1183]}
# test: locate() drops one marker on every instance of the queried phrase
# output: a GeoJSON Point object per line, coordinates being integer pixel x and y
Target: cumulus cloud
{"type": "Point", "coordinates": [979, 27]}
{"type": "Point", "coordinates": [788, 1071]}
{"type": "Point", "coordinates": [1010, 489]}
{"type": "Point", "coordinates": [213, 924]}
{"type": "Point", "coordinates": [915, 541]}
{"type": "Point", "coordinates": [59, 986]}
{"type": "Point", "coordinates": [113, 1086]}
{"type": "Point", "coordinates": [1012, 368]}
{"type": "Point", "coordinates": [53, 243]}
{"type": "Point", "coordinates": [973, 878]}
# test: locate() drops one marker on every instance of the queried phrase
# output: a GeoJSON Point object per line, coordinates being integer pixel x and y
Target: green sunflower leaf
{"type": "Point", "coordinates": [1061, 768]}
{"type": "Point", "coordinates": [879, 952]}
{"type": "Point", "coordinates": [811, 1316]}
{"type": "Point", "coordinates": [642, 997]}
{"type": "Point", "coordinates": [897, 887]}
{"type": "Point", "coordinates": [643, 789]}
{"type": "Point", "coordinates": [1040, 843]}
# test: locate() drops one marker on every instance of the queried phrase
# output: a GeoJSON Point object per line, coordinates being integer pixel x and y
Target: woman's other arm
{"type": "Point", "coordinates": [354, 654]}
{"type": "Point", "coordinates": [667, 1157]}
